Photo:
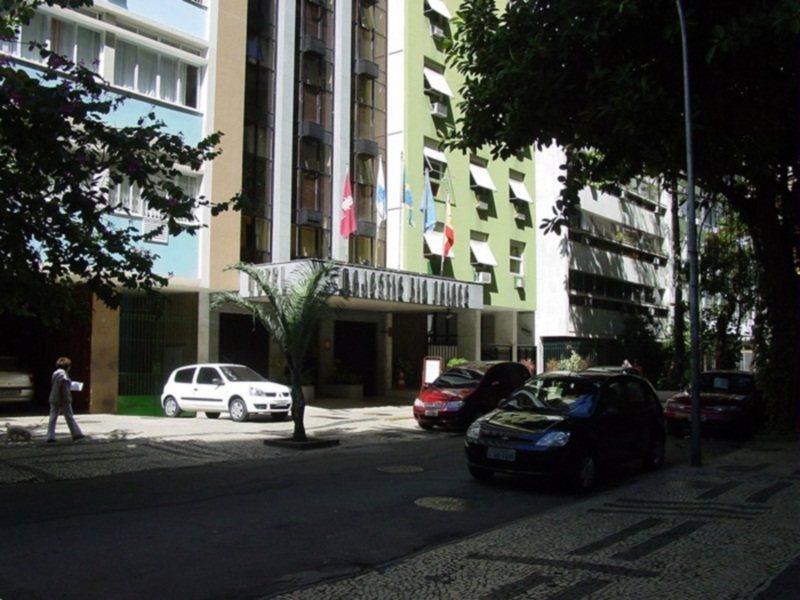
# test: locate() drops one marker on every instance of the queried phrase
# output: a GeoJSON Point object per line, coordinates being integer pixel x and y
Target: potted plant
{"type": "Point", "coordinates": [343, 383]}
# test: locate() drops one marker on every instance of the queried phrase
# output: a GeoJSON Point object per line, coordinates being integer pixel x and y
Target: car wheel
{"type": "Point", "coordinates": [238, 410]}
{"type": "Point", "coordinates": [480, 473]}
{"type": "Point", "coordinates": [212, 415]}
{"type": "Point", "coordinates": [279, 416]}
{"type": "Point", "coordinates": [425, 426]}
{"type": "Point", "coordinates": [654, 459]}
{"type": "Point", "coordinates": [584, 475]}
{"type": "Point", "coordinates": [171, 407]}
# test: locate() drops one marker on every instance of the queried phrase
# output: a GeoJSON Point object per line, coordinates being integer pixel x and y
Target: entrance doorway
{"type": "Point", "coordinates": [244, 341]}
{"type": "Point", "coordinates": [355, 351]}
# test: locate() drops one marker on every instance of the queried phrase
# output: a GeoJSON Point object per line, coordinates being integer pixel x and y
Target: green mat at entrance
{"type": "Point", "coordinates": [144, 406]}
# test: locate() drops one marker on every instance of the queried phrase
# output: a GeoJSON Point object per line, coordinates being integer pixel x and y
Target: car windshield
{"type": "Point", "coordinates": [241, 374]}
{"type": "Point", "coordinates": [458, 378]}
{"type": "Point", "coordinates": [563, 395]}
{"type": "Point", "coordinates": [726, 383]}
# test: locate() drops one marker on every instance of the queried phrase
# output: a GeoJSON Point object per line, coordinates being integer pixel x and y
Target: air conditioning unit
{"type": "Point", "coordinates": [484, 277]}
{"type": "Point", "coordinates": [519, 282]}
{"type": "Point", "coordinates": [437, 32]}
{"type": "Point", "coordinates": [482, 205]}
{"type": "Point", "coordinates": [520, 216]}
{"type": "Point", "coordinates": [439, 109]}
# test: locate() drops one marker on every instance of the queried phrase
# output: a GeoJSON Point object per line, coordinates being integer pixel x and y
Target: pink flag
{"type": "Point", "coordinates": [348, 224]}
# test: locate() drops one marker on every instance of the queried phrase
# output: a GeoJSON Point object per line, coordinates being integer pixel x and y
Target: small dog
{"type": "Point", "coordinates": [15, 433]}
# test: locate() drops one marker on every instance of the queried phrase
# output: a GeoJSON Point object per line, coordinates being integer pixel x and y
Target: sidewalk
{"type": "Point", "coordinates": [725, 530]}
{"type": "Point", "coordinates": [119, 444]}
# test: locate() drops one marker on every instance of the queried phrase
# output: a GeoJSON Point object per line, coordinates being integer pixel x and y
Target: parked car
{"type": "Point", "coordinates": [461, 394]}
{"type": "Point", "coordinates": [729, 403]}
{"type": "Point", "coordinates": [217, 388]}
{"type": "Point", "coordinates": [613, 370]}
{"type": "Point", "coordinates": [569, 425]}
{"type": "Point", "coordinates": [16, 385]}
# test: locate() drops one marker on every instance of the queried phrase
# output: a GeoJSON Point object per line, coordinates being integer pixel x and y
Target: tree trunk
{"type": "Point", "coordinates": [678, 323]}
{"type": "Point", "coordinates": [298, 407]}
{"type": "Point", "coordinates": [721, 350]}
{"type": "Point", "coordinates": [772, 230]}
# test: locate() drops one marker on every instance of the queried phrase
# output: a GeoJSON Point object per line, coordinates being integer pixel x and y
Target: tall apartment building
{"type": "Point", "coordinates": [490, 200]}
{"type": "Point", "coordinates": [167, 57]}
{"type": "Point", "coordinates": [609, 263]}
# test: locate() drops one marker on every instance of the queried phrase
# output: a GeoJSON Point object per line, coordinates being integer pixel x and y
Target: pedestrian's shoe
{"type": "Point", "coordinates": [78, 438]}
{"type": "Point", "coordinates": [50, 441]}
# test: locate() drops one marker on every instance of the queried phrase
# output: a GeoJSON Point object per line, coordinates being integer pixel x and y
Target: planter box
{"type": "Point", "coordinates": [308, 393]}
{"type": "Point", "coordinates": [335, 390]}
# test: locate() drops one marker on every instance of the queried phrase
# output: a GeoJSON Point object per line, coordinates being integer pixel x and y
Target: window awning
{"type": "Point", "coordinates": [437, 81]}
{"type": "Point", "coordinates": [481, 177]}
{"type": "Point", "coordinates": [438, 6]}
{"type": "Point", "coordinates": [433, 154]}
{"type": "Point", "coordinates": [435, 242]}
{"type": "Point", "coordinates": [519, 191]}
{"type": "Point", "coordinates": [482, 253]}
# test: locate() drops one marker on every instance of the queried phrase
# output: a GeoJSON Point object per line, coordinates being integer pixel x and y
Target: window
{"type": "Point", "coordinates": [184, 376]}
{"type": "Point", "coordinates": [208, 376]}
{"type": "Point", "coordinates": [362, 249]}
{"type": "Point", "coordinates": [436, 163]}
{"type": "Point", "coordinates": [515, 258]}
{"type": "Point", "coordinates": [155, 75]}
{"type": "Point", "coordinates": [76, 43]}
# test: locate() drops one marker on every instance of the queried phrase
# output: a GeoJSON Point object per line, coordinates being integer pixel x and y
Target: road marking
{"type": "Point", "coordinates": [662, 512]}
{"type": "Point", "coordinates": [400, 469]}
{"type": "Point", "coordinates": [717, 491]}
{"type": "Point", "coordinates": [443, 503]}
{"type": "Point", "coordinates": [580, 589]}
{"type": "Point", "coordinates": [661, 540]}
{"type": "Point", "coordinates": [516, 588]}
{"type": "Point", "coordinates": [568, 565]}
{"type": "Point", "coordinates": [617, 537]}
{"type": "Point", "coordinates": [768, 492]}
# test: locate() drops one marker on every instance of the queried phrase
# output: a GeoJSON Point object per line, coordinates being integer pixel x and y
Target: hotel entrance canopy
{"type": "Point", "coordinates": [375, 287]}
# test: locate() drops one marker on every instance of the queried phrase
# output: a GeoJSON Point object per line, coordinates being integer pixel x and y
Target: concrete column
{"type": "Point", "coordinates": [469, 334]}
{"type": "Point", "coordinates": [384, 354]}
{"type": "Point", "coordinates": [505, 331]}
{"type": "Point", "coordinates": [395, 129]}
{"type": "Point", "coordinates": [342, 72]}
{"type": "Point", "coordinates": [104, 384]}
{"type": "Point", "coordinates": [203, 326]}
{"type": "Point", "coordinates": [284, 133]}
{"type": "Point", "coordinates": [326, 362]}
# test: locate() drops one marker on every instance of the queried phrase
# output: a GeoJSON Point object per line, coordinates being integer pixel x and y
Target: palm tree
{"type": "Point", "coordinates": [290, 315]}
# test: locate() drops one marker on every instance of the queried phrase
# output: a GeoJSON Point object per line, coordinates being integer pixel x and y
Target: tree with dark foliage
{"type": "Point", "coordinates": [603, 80]}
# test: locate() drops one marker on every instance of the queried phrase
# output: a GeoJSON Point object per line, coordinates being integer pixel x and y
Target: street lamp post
{"type": "Point", "coordinates": [691, 234]}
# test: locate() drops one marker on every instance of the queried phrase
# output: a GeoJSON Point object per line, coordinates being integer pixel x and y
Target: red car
{"type": "Point", "coordinates": [463, 393]}
{"type": "Point", "coordinates": [729, 402]}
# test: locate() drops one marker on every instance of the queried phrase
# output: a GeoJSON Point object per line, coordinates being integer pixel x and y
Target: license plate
{"type": "Point", "coordinates": [501, 454]}
{"type": "Point", "coordinates": [431, 413]}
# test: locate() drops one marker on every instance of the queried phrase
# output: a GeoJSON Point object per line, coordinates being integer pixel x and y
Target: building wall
{"type": "Point", "coordinates": [622, 240]}
{"type": "Point", "coordinates": [227, 95]}
{"type": "Point", "coordinates": [411, 42]}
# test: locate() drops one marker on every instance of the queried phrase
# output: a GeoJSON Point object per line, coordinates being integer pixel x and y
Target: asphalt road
{"type": "Point", "coordinates": [251, 529]}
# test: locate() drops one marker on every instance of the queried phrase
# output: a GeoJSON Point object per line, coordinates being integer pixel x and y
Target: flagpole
{"type": "Point", "coordinates": [375, 213]}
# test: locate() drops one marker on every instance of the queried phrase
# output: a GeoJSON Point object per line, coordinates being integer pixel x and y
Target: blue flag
{"type": "Point", "coordinates": [408, 199]}
{"type": "Point", "coordinates": [380, 195]}
{"type": "Point", "coordinates": [428, 207]}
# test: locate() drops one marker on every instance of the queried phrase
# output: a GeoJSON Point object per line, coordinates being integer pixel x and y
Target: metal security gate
{"type": "Point", "coordinates": [156, 336]}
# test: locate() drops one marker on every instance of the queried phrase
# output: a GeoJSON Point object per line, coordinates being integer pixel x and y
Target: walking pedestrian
{"type": "Point", "coordinates": [61, 401]}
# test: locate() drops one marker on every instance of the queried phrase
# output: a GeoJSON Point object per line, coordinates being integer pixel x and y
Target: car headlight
{"type": "Point", "coordinates": [454, 405]}
{"type": "Point", "coordinates": [474, 432]}
{"type": "Point", "coordinates": [419, 403]}
{"type": "Point", "coordinates": [257, 392]}
{"type": "Point", "coordinates": [553, 439]}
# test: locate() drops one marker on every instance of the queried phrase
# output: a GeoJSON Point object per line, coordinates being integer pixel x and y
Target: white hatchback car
{"type": "Point", "coordinates": [217, 388]}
